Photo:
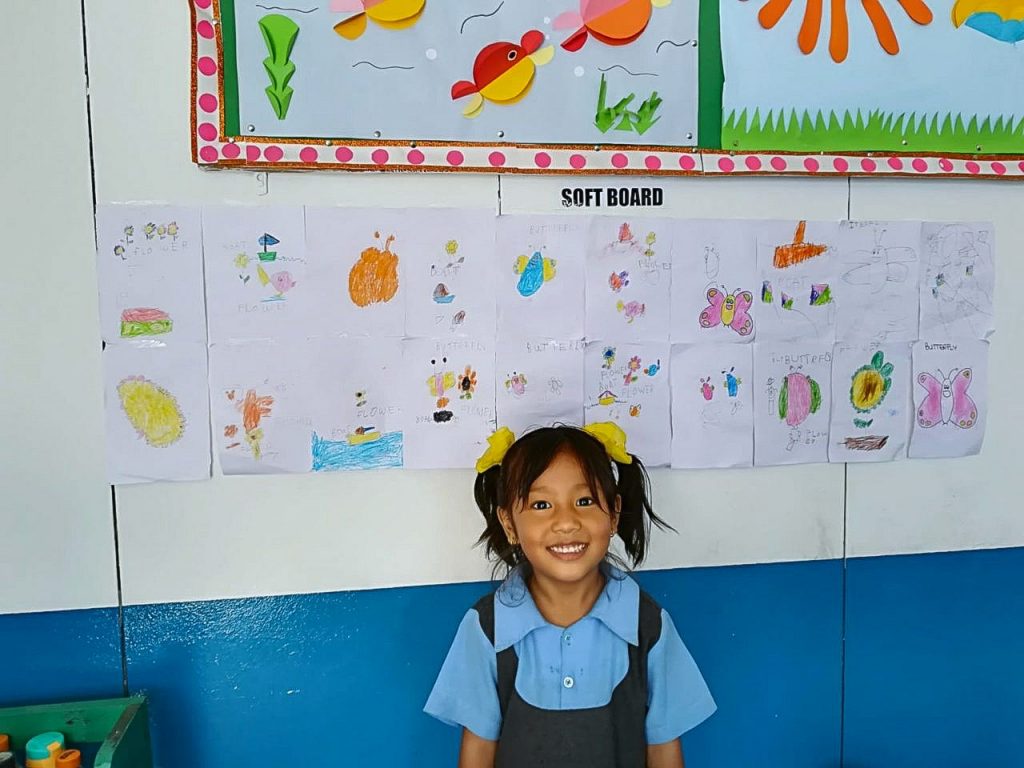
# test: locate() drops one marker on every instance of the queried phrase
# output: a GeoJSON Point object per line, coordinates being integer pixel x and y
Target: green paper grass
{"type": "Point", "coordinates": [279, 34]}
{"type": "Point", "coordinates": [877, 131]}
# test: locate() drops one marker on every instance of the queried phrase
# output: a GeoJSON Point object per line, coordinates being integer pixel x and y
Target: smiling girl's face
{"type": "Point", "coordinates": [563, 528]}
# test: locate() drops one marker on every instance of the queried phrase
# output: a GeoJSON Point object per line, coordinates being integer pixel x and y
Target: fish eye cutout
{"type": "Point", "coordinates": [512, 55]}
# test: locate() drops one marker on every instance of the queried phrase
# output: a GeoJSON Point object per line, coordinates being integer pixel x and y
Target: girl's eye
{"type": "Point", "coordinates": [540, 505]}
{"type": "Point", "coordinates": [586, 501]}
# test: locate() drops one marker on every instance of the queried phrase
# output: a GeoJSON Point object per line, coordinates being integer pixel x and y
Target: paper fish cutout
{"type": "Point", "coordinates": [389, 14]}
{"type": "Point", "coordinates": [947, 401]}
{"type": "Point", "coordinates": [1002, 20]}
{"type": "Point", "coordinates": [533, 272]}
{"type": "Point", "coordinates": [729, 309]}
{"type": "Point", "coordinates": [613, 22]}
{"type": "Point", "coordinates": [503, 72]}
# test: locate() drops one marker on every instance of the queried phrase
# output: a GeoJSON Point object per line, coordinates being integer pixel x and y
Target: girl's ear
{"type": "Point", "coordinates": [616, 513]}
{"type": "Point", "coordinates": [506, 522]}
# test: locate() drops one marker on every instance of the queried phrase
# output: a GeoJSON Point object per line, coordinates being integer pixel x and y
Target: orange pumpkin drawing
{"type": "Point", "coordinates": [373, 279]}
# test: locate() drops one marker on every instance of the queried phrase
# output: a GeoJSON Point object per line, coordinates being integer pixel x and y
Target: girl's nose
{"type": "Point", "coordinates": [566, 520]}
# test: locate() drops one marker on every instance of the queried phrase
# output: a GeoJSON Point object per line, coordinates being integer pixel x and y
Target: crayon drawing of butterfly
{"type": "Point", "coordinates": [729, 309]}
{"type": "Point", "coordinates": [947, 401]}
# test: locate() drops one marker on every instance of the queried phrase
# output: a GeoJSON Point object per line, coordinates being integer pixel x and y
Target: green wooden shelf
{"type": "Point", "coordinates": [119, 726]}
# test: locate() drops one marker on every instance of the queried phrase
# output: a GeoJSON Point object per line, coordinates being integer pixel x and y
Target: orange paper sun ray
{"type": "Point", "coordinates": [839, 31]}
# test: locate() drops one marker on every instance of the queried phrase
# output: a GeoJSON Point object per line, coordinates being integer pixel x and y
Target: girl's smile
{"type": "Point", "coordinates": [572, 551]}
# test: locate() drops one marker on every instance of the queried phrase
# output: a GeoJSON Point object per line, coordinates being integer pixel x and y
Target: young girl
{"type": "Point", "coordinates": [568, 663]}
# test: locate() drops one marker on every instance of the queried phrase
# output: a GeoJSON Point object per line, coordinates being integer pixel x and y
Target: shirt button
{"type": "Point", "coordinates": [568, 682]}
{"type": "Point", "coordinates": [567, 638]}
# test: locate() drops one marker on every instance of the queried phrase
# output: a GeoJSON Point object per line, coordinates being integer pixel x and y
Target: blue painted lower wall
{"type": "Point", "coordinates": [933, 666]}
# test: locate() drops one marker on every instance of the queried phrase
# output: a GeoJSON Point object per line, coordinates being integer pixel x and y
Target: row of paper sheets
{"type": "Point", "coordinates": [273, 273]}
{"type": "Point", "coordinates": [343, 403]}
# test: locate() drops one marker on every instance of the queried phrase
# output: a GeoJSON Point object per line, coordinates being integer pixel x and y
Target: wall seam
{"type": "Point", "coordinates": [842, 621]}
{"type": "Point", "coordinates": [122, 645]}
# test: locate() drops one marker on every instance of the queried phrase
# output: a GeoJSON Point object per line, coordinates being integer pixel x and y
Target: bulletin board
{"type": "Point", "coordinates": [655, 87]}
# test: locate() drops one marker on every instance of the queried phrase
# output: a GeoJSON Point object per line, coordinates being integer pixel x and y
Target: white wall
{"type": "Point", "coordinates": [56, 527]}
{"type": "Point", "coordinates": [268, 535]}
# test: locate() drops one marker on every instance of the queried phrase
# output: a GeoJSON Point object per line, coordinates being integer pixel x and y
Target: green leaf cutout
{"type": "Point", "coordinates": [279, 34]}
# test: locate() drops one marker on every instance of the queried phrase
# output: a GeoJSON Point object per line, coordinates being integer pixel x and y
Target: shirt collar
{"type": "Point", "coordinates": [516, 615]}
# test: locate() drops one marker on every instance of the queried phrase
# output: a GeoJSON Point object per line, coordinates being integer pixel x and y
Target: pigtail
{"type": "Point", "coordinates": [636, 515]}
{"type": "Point", "coordinates": [487, 491]}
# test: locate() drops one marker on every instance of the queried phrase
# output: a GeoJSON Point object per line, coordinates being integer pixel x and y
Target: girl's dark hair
{"type": "Point", "coordinates": [503, 486]}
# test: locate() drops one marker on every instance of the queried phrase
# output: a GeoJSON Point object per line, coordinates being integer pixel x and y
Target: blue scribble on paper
{"type": "Point", "coordinates": [331, 455]}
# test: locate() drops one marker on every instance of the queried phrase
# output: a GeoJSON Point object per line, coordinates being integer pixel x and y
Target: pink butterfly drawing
{"type": "Point", "coordinates": [729, 309]}
{"type": "Point", "coordinates": [947, 401]}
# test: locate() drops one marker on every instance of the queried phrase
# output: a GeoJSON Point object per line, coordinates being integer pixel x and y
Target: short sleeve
{"type": "Point", "coordinates": [466, 691]}
{"type": "Point", "coordinates": [678, 699]}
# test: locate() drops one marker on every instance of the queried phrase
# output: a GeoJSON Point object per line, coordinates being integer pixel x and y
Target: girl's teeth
{"type": "Point", "coordinates": [569, 549]}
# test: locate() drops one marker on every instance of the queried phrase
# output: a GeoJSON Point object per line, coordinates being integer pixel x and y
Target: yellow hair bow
{"type": "Point", "coordinates": [497, 446]}
{"type": "Point", "coordinates": [608, 433]}
{"type": "Point", "coordinates": [611, 436]}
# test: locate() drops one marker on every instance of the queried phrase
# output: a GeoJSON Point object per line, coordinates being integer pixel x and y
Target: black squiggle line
{"type": "Point", "coordinates": [462, 28]}
{"type": "Point", "coordinates": [393, 66]}
{"type": "Point", "coordinates": [672, 42]}
{"type": "Point", "coordinates": [634, 74]}
{"type": "Point", "coordinates": [282, 8]}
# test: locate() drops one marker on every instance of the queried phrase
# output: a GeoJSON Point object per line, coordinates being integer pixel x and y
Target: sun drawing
{"type": "Point", "coordinates": [839, 32]}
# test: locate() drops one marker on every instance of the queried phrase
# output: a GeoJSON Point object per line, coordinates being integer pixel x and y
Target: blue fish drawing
{"type": "Point", "coordinates": [533, 273]}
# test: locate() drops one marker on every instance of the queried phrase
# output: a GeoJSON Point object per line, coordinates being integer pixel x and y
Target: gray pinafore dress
{"type": "Point", "coordinates": [610, 736]}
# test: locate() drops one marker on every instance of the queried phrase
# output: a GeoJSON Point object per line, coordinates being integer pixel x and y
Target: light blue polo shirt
{"type": "Point", "coordinates": [576, 667]}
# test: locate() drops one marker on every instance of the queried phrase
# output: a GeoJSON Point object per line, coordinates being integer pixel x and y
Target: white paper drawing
{"type": "Point", "coordinates": [792, 399]}
{"type": "Point", "coordinates": [357, 419]}
{"type": "Point", "coordinates": [539, 383]}
{"type": "Point", "coordinates": [449, 270]}
{"type": "Point", "coordinates": [149, 263]}
{"type": "Point", "coordinates": [799, 273]}
{"type": "Point", "coordinates": [712, 405]}
{"type": "Point", "coordinates": [357, 267]}
{"type": "Point", "coordinates": [628, 384]}
{"type": "Point", "coordinates": [629, 278]}
{"type": "Point", "coordinates": [262, 396]}
{"type": "Point", "coordinates": [715, 286]}
{"type": "Point", "coordinates": [257, 283]}
{"type": "Point", "coordinates": [157, 412]}
{"type": "Point", "coordinates": [540, 276]}
{"type": "Point", "coordinates": [878, 265]}
{"type": "Point", "coordinates": [871, 405]}
{"type": "Point", "coordinates": [448, 401]}
{"type": "Point", "coordinates": [958, 280]}
{"type": "Point", "coordinates": [950, 398]}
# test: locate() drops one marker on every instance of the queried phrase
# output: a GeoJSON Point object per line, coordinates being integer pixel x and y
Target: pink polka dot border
{"type": "Point", "coordinates": [207, 66]}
